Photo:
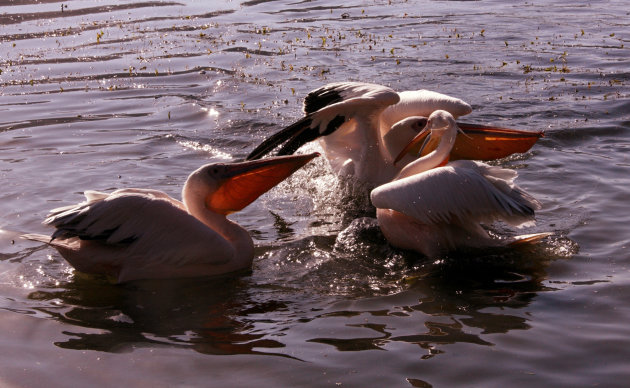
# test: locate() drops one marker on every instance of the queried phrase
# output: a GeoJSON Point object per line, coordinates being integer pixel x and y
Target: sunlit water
{"type": "Point", "coordinates": [102, 95]}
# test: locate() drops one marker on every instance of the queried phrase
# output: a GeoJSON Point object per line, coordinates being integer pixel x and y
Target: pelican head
{"type": "Point", "coordinates": [439, 123]}
{"type": "Point", "coordinates": [413, 123]}
{"type": "Point", "coordinates": [229, 187]}
{"type": "Point", "coordinates": [398, 136]}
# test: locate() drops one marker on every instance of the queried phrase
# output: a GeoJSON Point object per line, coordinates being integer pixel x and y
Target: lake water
{"type": "Point", "coordinates": [103, 94]}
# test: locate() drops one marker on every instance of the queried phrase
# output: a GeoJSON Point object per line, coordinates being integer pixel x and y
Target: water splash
{"type": "Point", "coordinates": [206, 148]}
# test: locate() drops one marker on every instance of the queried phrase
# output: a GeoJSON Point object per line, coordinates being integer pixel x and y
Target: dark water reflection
{"type": "Point", "coordinates": [458, 290]}
{"type": "Point", "coordinates": [242, 315]}
{"type": "Point", "coordinates": [195, 314]}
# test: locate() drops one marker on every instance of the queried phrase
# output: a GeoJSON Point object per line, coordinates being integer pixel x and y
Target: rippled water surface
{"type": "Point", "coordinates": [103, 94]}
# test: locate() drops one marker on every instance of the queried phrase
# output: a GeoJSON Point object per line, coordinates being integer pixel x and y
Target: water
{"type": "Point", "coordinates": [102, 94]}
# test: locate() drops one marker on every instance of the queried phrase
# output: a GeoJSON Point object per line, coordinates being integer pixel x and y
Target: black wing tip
{"type": "Point", "coordinates": [322, 97]}
{"type": "Point", "coordinates": [288, 135]}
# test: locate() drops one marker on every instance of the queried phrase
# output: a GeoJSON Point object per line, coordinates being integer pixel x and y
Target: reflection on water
{"type": "Point", "coordinates": [203, 315]}
{"type": "Point", "coordinates": [457, 290]}
{"type": "Point", "coordinates": [251, 314]}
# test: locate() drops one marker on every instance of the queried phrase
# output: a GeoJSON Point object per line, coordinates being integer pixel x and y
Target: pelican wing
{"type": "Point", "coordinates": [342, 91]}
{"type": "Point", "coordinates": [146, 224]}
{"type": "Point", "coordinates": [296, 135]}
{"type": "Point", "coordinates": [328, 108]}
{"type": "Point", "coordinates": [462, 192]}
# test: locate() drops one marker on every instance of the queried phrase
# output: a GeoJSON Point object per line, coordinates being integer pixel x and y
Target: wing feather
{"type": "Point", "coordinates": [341, 91]}
{"type": "Point", "coordinates": [467, 192]}
{"type": "Point", "coordinates": [144, 224]}
{"type": "Point", "coordinates": [354, 100]}
{"type": "Point", "coordinates": [326, 110]}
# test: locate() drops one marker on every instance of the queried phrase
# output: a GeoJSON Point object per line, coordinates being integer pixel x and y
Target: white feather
{"type": "Point", "coordinates": [134, 220]}
{"type": "Point", "coordinates": [457, 193]}
{"type": "Point", "coordinates": [435, 209]}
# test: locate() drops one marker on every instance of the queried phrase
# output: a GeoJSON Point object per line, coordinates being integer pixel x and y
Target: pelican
{"type": "Point", "coordinates": [132, 234]}
{"type": "Point", "coordinates": [363, 126]}
{"type": "Point", "coordinates": [432, 207]}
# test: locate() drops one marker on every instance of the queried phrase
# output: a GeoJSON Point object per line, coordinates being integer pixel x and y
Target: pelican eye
{"type": "Point", "coordinates": [215, 170]}
{"type": "Point", "coordinates": [420, 124]}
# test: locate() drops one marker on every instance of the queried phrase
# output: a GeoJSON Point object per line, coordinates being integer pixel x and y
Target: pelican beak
{"type": "Point", "coordinates": [245, 181]}
{"type": "Point", "coordinates": [424, 135]}
{"type": "Point", "coordinates": [483, 142]}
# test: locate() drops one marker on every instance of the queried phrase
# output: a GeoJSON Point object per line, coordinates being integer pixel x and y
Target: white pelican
{"type": "Point", "coordinates": [141, 233]}
{"type": "Point", "coordinates": [362, 128]}
{"type": "Point", "coordinates": [433, 210]}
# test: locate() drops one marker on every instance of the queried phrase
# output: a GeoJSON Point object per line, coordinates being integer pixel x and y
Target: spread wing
{"type": "Point", "coordinates": [334, 93]}
{"type": "Point", "coordinates": [143, 224]}
{"type": "Point", "coordinates": [328, 108]}
{"type": "Point", "coordinates": [462, 192]}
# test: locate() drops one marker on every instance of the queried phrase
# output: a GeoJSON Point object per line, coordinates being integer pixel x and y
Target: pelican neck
{"type": "Point", "coordinates": [432, 159]}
